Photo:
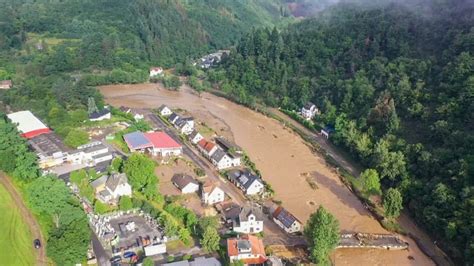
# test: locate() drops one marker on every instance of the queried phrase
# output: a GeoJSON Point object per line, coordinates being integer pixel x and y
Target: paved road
{"type": "Point", "coordinates": [198, 159]}
{"type": "Point", "coordinates": [102, 258]}
{"type": "Point", "coordinates": [27, 217]}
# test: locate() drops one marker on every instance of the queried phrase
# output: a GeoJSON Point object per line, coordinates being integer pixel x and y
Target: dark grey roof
{"type": "Point", "coordinates": [102, 155]}
{"type": "Point", "coordinates": [101, 113]}
{"type": "Point", "coordinates": [182, 180]}
{"type": "Point", "coordinates": [48, 144]}
{"type": "Point", "coordinates": [115, 180]}
{"type": "Point", "coordinates": [286, 218]}
{"type": "Point", "coordinates": [250, 208]}
{"type": "Point", "coordinates": [92, 147]}
{"type": "Point", "coordinates": [243, 244]}
{"type": "Point", "coordinates": [173, 116]}
{"type": "Point", "coordinates": [100, 181]}
{"type": "Point", "coordinates": [228, 145]}
{"type": "Point", "coordinates": [162, 107]}
{"type": "Point", "coordinates": [218, 155]}
{"type": "Point", "coordinates": [193, 134]}
{"type": "Point", "coordinates": [231, 212]}
{"type": "Point", "coordinates": [308, 105]}
{"type": "Point", "coordinates": [244, 177]}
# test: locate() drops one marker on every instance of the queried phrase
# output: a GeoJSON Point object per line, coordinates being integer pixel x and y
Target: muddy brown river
{"type": "Point", "coordinates": [284, 160]}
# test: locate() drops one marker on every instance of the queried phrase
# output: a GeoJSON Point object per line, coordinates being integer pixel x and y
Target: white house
{"type": "Point", "coordinates": [156, 71]}
{"type": "Point", "coordinates": [185, 125]}
{"type": "Point", "coordinates": [223, 160]}
{"type": "Point", "coordinates": [155, 249]}
{"type": "Point", "coordinates": [247, 248]}
{"type": "Point", "coordinates": [212, 194]}
{"type": "Point", "coordinates": [286, 220]}
{"type": "Point", "coordinates": [309, 110]}
{"type": "Point", "coordinates": [185, 183]}
{"type": "Point", "coordinates": [195, 137]}
{"type": "Point", "coordinates": [250, 220]}
{"type": "Point", "coordinates": [101, 115]}
{"type": "Point", "coordinates": [109, 189]}
{"type": "Point", "coordinates": [91, 154]}
{"type": "Point", "coordinates": [163, 144]}
{"type": "Point", "coordinates": [164, 110]}
{"type": "Point", "coordinates": [246, 181]}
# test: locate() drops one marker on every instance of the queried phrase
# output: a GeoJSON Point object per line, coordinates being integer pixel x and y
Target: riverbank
{"type": "Point", "coordinates": [284, 159]}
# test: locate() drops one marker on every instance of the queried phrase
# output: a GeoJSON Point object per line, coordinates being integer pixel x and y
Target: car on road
{"type": "Point", "coordinates": [129, 254]}
{"type": "Point", "coordinates": [37, 243]}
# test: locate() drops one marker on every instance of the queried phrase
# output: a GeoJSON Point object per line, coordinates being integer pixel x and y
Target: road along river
{"type": "Point", "coordinates": [284, 160]}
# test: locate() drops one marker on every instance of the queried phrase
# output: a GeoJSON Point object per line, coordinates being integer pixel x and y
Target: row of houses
{"type": "Point", "coordinates": [222, 153]}
{"type": "Point", "coordinates": [185, 125]}
{"type": "Point", "coordinates": [50, 149]}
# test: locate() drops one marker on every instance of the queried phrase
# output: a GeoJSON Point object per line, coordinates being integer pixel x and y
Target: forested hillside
{"type": "Point", "coordinates": [397, 84]}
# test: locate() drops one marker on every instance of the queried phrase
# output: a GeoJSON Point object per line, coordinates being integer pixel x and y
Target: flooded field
{"type": "Point", "coordinates": [284, 160]}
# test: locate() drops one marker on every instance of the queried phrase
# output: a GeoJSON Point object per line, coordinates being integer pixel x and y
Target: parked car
{"type": "Point", "coordinates": [116, 259]}
{"type": "Point", "coordinates": [129, 254]}
{"type": "Point", "coordinates": [37, 243]}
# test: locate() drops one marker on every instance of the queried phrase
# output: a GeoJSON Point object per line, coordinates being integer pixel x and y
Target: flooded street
{"type": "Point", "coordinates": [284, 160]}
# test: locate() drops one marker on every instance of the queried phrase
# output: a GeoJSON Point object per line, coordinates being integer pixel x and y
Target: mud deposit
{"type": "Point", "coordinates": [284, 160]}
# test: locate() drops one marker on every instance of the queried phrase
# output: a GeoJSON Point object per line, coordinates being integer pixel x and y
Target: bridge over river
{"type": "Point", "coordinates": [377, 241]}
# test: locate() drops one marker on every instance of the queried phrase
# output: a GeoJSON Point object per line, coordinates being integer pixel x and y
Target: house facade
{"type": "Point", "coordinates": [212, 194]}
{"type": "Point", "coordinates": [247, 248]}
{"type": "Point", "coordinates": [185, 183]}
{"type": "Point", "coordinates": [155, 71]}
{"type": "Point", "coordinates": [286, 220]}
{"type": "Point", "coordinates": [309, 110]}
{"type": "Point", "coordinates": [195, 137]}
{"type": "Point", "coordinates": [223, 160]}
{"type": "Point", "coordinates": [185, 125]}
{"type": "Point", "coordinates": [250, 220]}
{"type": "Point", "coordinates": [164, 110]}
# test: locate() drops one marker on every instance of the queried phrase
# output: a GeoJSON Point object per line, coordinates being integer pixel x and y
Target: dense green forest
{"type": "Point", "coordinates": [397, 83]}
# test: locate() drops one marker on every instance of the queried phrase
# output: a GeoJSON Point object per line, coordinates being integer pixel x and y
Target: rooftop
{"type": "Point", "coordinates": [161, 140]}
{"type": "Point", "coordinates": [308, 105]}
{"type": "Point", "coordinates": [115, 180]}
{"type": "Point", "coordinates": [218, 155]}
{"type": "Point", "coordinates": [247, 242]}
{"type": "Point", "coordinates": [286, 218]}
{"type": "Point", "coordinates": [28, 124]}
{"type": "Point", "coordinates": [99, 114]}
{"type": "Point", "coordinates": [182, 180]}
{"type": "Point", "coordinates": [137, 140]}
{"type": "Point", "coordinates": [251, 208]}
{"type": "Point", "coordinates": [48, 144]}
{"type": "Point", "coordinates": [244, 177]}
{"type": "Point", "coordinates": [228, 145]}
{"type": "Point", "coordinates": [92, 147]}
{"type": "Point", "coordinates": [206, 145]}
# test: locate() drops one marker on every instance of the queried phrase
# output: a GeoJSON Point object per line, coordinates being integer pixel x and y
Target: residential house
{"type": "Point", "coordinates": [195, 137]}
{"type": "Point", "coordinates": [228, 146]}
{"type": "Point", "coordinates": [5, 84]}
{"type": "Point", "coordinates": [185, 125]}
{"type": "Point", "coordinates": [247, 248]}
{"type": "Point", "coordinates": [250, 219]}
{"type": "Point", "coordinates": [163, 144]}
{"type": "Point", "coordinates": [103, 114]}
{"type": "Point", "coordinates": [173, 117]}
{"type": "Point", "coordinates": [185, 183]}
{"type": "Point", "coordinates": [206, 147]}
{"type": "Point", "coordinates": [109, 189]}
{"type": "Point", "coordinates": [156, 249]}
{"type": "Point", "coordinates": [200, 261]}
{"type": "Point", "coordinates": [286, 220]}
{"type": "Point", "coordinates": [223, 160]}
{"type": "Point", "coordinates": [230, 212]}
{"type": "Point", "coordinates": [156, 71]}
{"type": "Point", "coordinates": [92, 153]}
{"type": "Point", "coordinates": [309, 110]}
{"type": "Point", "coordinates": [327, 131]}
{"type": "Point", "coordinates": [49, 149]}
{"type": "Point", "coordinates": [244, 179]}
{"type": "Point", "coordinates": [164, 110]}
{"type": "Point", "coordinates": [28, 124]}
{"type": "Point", "coordinates": [212, 194]}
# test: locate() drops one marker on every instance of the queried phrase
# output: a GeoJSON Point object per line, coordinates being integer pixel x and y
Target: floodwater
{"type": "Point", "coordinates": [284, 160]}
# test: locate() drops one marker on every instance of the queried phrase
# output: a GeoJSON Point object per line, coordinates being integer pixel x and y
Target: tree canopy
{"type": "Point", "coordinates": [322, 233]}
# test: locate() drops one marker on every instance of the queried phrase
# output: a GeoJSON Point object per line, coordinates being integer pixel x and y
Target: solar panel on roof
{"type": "Point", "coordinates": [243, 179]}
{"type": "Point", "coordinates": [136, 139]}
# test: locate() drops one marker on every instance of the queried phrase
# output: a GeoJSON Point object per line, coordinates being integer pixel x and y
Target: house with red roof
{"type": "Point", "coordinates": [28, 124]}
{"type": "Point", "coordinates": [155, 71]}
{"type": "Point", "coordinates": [163, 144]}
{"type": "Point", "coordinates": [247, 248]}
{"type": "Point", "coordinates": [206, 147]}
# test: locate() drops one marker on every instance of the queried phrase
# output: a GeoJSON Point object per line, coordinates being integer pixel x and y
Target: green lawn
{"type": "Point", "coordinates": [16, 243]}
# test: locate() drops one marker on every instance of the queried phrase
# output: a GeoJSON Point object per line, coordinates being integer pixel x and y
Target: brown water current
{"type": "Point", "coordinates": [284, 160]}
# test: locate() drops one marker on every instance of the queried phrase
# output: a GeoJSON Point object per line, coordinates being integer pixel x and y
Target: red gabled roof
{"type": "Point", "coordinates": [161, 140]}
{"type": "Point", "coordinates": [256, 245]}
{"type": "Point", "coordinates": [206, 145]}
{"type": "Point", "coordinates": [34, 133]}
